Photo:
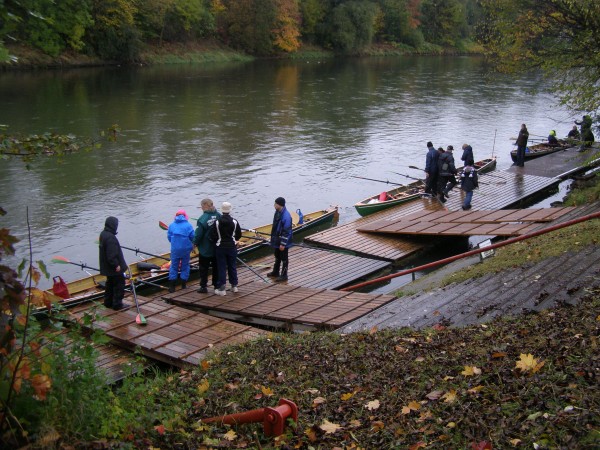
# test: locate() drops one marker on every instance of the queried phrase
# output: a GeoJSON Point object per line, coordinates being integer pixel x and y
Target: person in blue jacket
{"type": "Point", "coordinates": [206, 247]}
{"type": "Point", "coordinates": [181, 237]}
{"type": "Point", "coordinates": [281, 240]}
{"type": "Point", "coordinates": [431, 169]}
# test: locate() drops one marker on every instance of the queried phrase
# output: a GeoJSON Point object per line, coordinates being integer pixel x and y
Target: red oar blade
{"type": "Point", "coordinates": [163, 225]}
{"type": "Point", "coordinates": [140, 319]}
{"type": "Point", "coordinates": [60, 260]}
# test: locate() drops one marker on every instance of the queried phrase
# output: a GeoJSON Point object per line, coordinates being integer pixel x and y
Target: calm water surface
{"type": "Point", "coordinates": [243, 133]}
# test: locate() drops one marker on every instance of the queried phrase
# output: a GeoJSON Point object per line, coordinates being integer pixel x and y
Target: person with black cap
{"type": "Point", "coordinates": [446, 172]}
{"type": "Point", "coordinates": [112, 264]}
{"type": "Point", "coordinates": [281, 240]}
{"type": "Point", "coordinates": [431, 169]}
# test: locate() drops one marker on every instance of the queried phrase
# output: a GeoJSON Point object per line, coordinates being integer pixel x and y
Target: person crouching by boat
{"type": "Point", "coordinates": [468, 183]}
{"type": "Point", "coordinates": [431, 169]}
{"type": "Point", "coordinates": [206, 248]}
{"type": "Point", "coordinates": [181, 237]}
{"type": "Point", "coordinates": [225, 233]}
{"type": "Point", "coordinates": [552, 138]}
{"type": "Point", "coordinates": [574, 134]}
{"type": "Point", "coordinates": [112, 264]}
{"type": "Point", "coordinates": [281, 240]}
{"type": "Point", "coordinates": [446, 172]}
{"type": "Point", "coordinates": [521, 145]}
{"type": "Point", "coordinates": [467, 157]}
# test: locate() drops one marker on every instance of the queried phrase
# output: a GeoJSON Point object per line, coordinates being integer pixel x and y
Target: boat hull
{"type": "Point", "coordinates": [538, 150]}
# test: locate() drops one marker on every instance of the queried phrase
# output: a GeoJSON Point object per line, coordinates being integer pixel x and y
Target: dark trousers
{"type": "Point", "coordinates": [227, 265]}
{"type": "Point", "coordinates": [520, 156]}
{"type": "Point", "coordinates": [203, 265]}
{"type": "Point", "coordinates": [446, 183]}
{"type": "Point", "coordinates": [114, 291]}
{"type": "Point", "coordinates": [431, 184]}
{"type": "Point", "coordinates": [281, 258]}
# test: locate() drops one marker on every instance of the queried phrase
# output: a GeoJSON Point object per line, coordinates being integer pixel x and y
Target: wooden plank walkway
{"type": "Point", "coordinates": [556, 165]}
{"type": "Point", "coordinates": [504, 222]}
{"type": "Point", "coordinates": [283, 305]}
{"type": "Point", "coordinates": [503, 190]}
{"type": "Point", "coordinates": [174, 335]}
{"type": "Point", "coordinates": [319, 268]}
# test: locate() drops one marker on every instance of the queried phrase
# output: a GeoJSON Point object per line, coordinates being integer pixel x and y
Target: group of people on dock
{"type": "Point", "coordinates": [216, 237]}
{"type": "Point", "coordinates": [441, 172]}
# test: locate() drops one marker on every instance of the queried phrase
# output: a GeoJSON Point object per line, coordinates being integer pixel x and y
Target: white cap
{"type": "Point", "coordinates": [226, 207]}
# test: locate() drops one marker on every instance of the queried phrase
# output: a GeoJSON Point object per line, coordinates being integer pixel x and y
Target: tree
{"type": "Point", "coordinates": [442, 21]}
{"type": "Point", "coordinates": [353, 25]}
{"type": "Point", "coordinates": [559, 37]}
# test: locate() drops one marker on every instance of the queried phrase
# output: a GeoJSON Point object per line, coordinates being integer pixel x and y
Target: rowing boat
{"type": "Point", "coordinates": [535, 151]}
{"type": "Point", "coordinates": [406, 193]}
{"type": "Point", "coordinates": [151, 271]}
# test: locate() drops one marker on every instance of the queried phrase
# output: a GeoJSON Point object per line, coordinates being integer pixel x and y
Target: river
{"type": "Point", "coordinates": [244, 133]}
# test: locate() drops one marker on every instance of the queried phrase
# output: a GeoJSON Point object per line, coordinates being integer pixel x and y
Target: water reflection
{"type": "Point", "coordinates": [245, 133]}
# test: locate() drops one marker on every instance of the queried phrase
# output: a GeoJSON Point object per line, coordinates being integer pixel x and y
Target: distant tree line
{"type": "Point", "coordinates": [119, 29]}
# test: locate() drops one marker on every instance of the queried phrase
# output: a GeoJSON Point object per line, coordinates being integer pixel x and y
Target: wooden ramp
{"type": "Point", "coordinates": [504, 222]}
{"type": "Point", "coordinates": [174, 335]}
{"type": "Point", "coordinates": [318, 268]}
{"type": "Point", "coordinates": [283, 305]}
{"type": "Point", "coordinates": [502, 190]}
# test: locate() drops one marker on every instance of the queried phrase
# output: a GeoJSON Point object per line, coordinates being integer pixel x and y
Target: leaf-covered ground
{"type": "Point", "coordinates": [528, 382]}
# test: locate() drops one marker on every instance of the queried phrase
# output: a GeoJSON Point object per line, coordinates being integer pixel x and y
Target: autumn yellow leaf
{"type": "Point", "coordinates": [329, 427]}
{"type": "Point", "coordinates": [347, 396]}
{"type": "Point", "coordinates": [205, 364]}
{"type": "Point", "coordinates": [230, 435]}
{"type": "Point", "coordinates": [412, 406]}
{"type": "Point", "coordinates": [267, 391]}
{"type": "Point", "coordinates": [515, 442]}
{"type": "Point", "coordinates": [41, 385]}
{"type": "Point", "coordinates": [355, 423]}
{"type": "Point", "coordinates": [475, 390]}
{"type": "Point", "coordinates": [450, 396]}
{"type": "Point", "coordinates": [527, 363]}
{"type": "Point", "coordinates": [372, 405]}
{"type": "Point", "coordinates": [310, 434]}
{"type": "Point", "coordinates": [378, 425]}
{"type": "Point", "coordinates": [471, 371]}
{"type": "Point", "coordinates": [203, 387]}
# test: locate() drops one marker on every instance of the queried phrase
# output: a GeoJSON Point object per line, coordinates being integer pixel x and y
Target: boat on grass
{"type": "Point", "coordinates": [409, 192]}
{"type": "Point", "coordinates": [155, 269]}
{"type": "Point", "coordinates": [537, 150]}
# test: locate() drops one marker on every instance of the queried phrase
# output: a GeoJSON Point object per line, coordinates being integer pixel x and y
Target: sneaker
{"type": "Point", "coordinates": [234, 288]}
{"type": "Point", "coordinates": [202, 290]}
{"type": "Point", "coordinates": [221, 291]}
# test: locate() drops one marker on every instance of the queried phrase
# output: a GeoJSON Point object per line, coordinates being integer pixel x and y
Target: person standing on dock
{"type": "Point", "coordinates": [281, 240]}
{"type": "Point", "coordinates": [522, 145]}
{"type": "Point", "coordinates": [468, 183]}
{"type": "Point", "coordinates": [431, 169]}
{"type": "Point", "coordinates": [112, 265]}
{"type": "Point", "coordinates": [467, 157]}
{"type": "Point", "coordinates": [181, 237]}
{"type": "Point", "coordinates": [226, 233]}
{"type": "Point", "coordinates": [446, 172]}
{"type": "Point", "coordinates": [587, 136]}
{"type": "Point", "coordinates": [206, 248]}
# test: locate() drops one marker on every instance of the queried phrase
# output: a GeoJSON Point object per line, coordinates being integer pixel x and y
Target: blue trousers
{"type": "Point", "coordinates": [227, 265]}
{"type": "Point", "coordinates": [184, 260]}
{"type": "Point", "coordinates": [468, 197]}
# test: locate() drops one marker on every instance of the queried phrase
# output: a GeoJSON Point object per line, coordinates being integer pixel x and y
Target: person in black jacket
{"type": "Point", "coordinates": [112, 264]}
{"type": "Point", "coordinates": [467, 157]}
{"type": "Point", "coordinates": [225, 233]}
{"type": "Point", "coordinates": [522, 145]}
{"type": "Point", "coordinates": [446, 172]}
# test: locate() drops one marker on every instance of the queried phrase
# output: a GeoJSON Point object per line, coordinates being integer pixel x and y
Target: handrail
{"type": "Point", "coordinates": [474, 251]}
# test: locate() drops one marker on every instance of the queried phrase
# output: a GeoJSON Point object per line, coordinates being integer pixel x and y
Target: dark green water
{"type": "Point", "coordinates": [243, 133]}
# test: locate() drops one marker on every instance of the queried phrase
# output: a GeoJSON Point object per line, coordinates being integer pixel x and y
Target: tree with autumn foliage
{"type": "Point", "coordinates": [559, 37]}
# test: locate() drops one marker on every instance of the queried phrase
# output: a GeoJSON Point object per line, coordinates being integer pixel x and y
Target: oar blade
{"type": "Point", "coordinates": [60, 260]}
{"type": "Point", "coordinates": [140, 319]}
{"type": "Point", "coordinates": [163, 225]}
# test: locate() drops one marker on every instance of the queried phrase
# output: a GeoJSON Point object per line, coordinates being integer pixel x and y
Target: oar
{"type": "Point", "coordinates": [255, 231]}
{"type": "Point", "coordinates": [251, 269]}
{"type": "Point", "coordinates": [300, 245]}
{"type": "Point", "coordinates": [139, 319]}
{"type": "Point", "coordinates": [137, 250]}
{"type": "Point", "coordinates": [380, 181]}
{"type": "Point", "coordinates": [408, 176]}
{"type": "Point", "coordinates": [63, 260]}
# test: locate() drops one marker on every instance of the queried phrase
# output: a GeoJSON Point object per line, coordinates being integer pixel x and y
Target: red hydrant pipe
{"type": "Point", "coordinates": [474, 251]}
{"type": "Point", "coordinates": [273, 419]}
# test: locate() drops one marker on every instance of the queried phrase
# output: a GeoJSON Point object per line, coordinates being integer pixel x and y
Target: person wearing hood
{"type": "Point", "coordinates": [587, 136]}
{"type": "Point", "coordinates": [281, 240]}
{"type": "Point", "coordinates": [446, 172]}
{"type": "Point", "coordinates": [206, 248]}
{"type": "Point", "coordinates": [181, 237]}
{"type": "Point", "coordinates": [225, 233]}
{"type": "Point", "coordinates": [467, 157]}
{"type": "Point", "coordinates": [112, 264]}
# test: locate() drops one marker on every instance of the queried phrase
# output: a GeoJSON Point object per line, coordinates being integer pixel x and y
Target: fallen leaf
{"type": "Point", "coordinates": [417, 446]}
{"type": "Point", "coordinates": [498, 355]}
{"type": "Point", "coordinates": [528, 363]}
{"type": "Point", "coordinates": [267, 391]}
{"type": "Point", "coordinates": [160, 429]}
{"type": "Point", "coordinates": [434, 395]}
{"type": "Point", "coordinates": [372, 405]}
{"type": "Point", "coordinates": [230, 435]}
{"type": "Point", "coordinates": [377, 425]}
{"type": "Point", "coordinates": [347, 396]}
{"type": "Point", "coordinates": [373, 330]}
{"type": "Point", "coordinates": [419, 359]}
{"type": "Point", "coordinates": [401, 349]}
{"type": "Point", "coordinates": [329, 427]}
{"type": "Point", "coordinates": [471, 371]}
{"type": "Point", "coordinates": [203, 387]}
{"type": "Point", "coordinates": [475, 390]}
{"type": "Point", "coordinates": [450, 396]}
{"type": "Point", "coordinates": [318, 401]}
{"type": "Point", "coordinates": [311, 434]}
{"type": "Point", "coordinates": [515, 442]}
{"type": "Point", "coordinates": [355, 423]}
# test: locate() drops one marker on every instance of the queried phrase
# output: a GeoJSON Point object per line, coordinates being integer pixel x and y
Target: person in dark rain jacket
{"type": "Point", "coordinates": [446, 173]}
{"type": "Point", "coordinates": [431, 169]}
{"type": "Point", "coordinates": [522, 145]}
{"type": "Point", "coordinates": [206, 248]}
{"type": "Point", "coordinates": [181, 237]}
{"type": "Point", "coordinates": [281, 240]}
{"type": "Point", "coordinates": [467, 157]}
{"type": "Point", "coordinates": [225, 233]}
{"type": "Point", "coordinates": [112, 264]}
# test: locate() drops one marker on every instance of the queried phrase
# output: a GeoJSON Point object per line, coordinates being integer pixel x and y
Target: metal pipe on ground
{"type": "Point", "coordinates": [450, 259]}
